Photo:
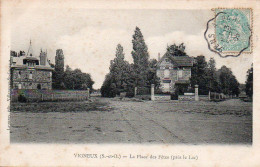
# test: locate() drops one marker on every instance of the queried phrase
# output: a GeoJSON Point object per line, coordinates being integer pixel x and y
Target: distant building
{"type": "Point", "coordinates": [29, 72]}
{"type": "Point", "coordinates": [174, 71]}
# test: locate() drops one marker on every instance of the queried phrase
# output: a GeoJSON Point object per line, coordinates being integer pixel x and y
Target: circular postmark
{"type": "Point", "coordinates": [229, 33]}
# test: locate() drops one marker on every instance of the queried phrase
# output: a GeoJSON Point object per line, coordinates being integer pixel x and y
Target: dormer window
{"type": "Point", "coordinates": [31, 61]}
{"type": "Point", "coordinates": [166, 73]}
{"type": "Point", "coordinates": [31, 64]}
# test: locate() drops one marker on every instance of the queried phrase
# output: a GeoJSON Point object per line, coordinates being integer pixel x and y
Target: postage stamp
{"type": "Point", "coordinates": [229, 32]}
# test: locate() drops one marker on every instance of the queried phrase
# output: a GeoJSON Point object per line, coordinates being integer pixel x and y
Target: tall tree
{"type": "Point", "coordinates": [141, 58]}
{"type": "Point", "coordinates": [152, 78]}
{"type": "Point", "coordinates": [212, 77]}
{"type": "Point", "coordinates": [249, 82]}
{"type": "Point", "coordinates": [117, 69]}
{"type": "Point", "coordinates": [199, 75]}
{"type": "Point", "coordinates": [58, 74]}
{"type": "Point", "coordinates": [228, 82]}
{"type": "Point", "coordinates": [120, 77]}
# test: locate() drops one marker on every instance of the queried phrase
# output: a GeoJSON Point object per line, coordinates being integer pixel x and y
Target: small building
{"type": "Point", "coordinates": [29, 72]}
{"type": "Point", "coordinates": [174, 71]}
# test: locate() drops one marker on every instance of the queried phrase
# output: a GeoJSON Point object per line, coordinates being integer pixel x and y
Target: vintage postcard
{"type": "Point", "coordinates": [129, 83]}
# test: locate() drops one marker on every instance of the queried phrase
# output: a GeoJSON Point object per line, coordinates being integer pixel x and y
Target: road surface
{"type": "Point", "coordinates": [139, 122]}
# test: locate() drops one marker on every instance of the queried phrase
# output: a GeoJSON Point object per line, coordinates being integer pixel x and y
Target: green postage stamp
{"type": "Point", "coordinates": [229, 32]}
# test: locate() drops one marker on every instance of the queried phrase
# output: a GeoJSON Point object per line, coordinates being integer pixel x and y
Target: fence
{"type": "Point", "coordinates": [186, 97]}
{"type": "Point", "coordinates": [217, 96]}
{"type": "Point", "coordinates": [31, 95]}
{"type": "Point", "coordinates": [143, 91]}
{"type": "Point", "coordinates": [146, 94]}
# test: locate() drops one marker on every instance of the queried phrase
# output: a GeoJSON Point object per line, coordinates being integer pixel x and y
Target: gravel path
{"type": "Point", "coordinates": [140, 122]}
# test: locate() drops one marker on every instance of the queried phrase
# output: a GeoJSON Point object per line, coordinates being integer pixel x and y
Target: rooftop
{"type": "Point", "coordinates": [182, 60]}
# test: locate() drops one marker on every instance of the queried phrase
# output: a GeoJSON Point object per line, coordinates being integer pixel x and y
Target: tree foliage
{"type": "Point", "coordinates": [174, 50]}
{"type": "Point", "coordinates": [249, 82]}
{"type": "Point", "coordinates": [76, 79]}
{"type": "Point", "coordinates": [141, 59]}
{"type": "Point", "coordinates": [124, 77]}
{"type": "Point", "coordinates": [210, 79]}
{"type": "Point", "coordinates": [120, 78]}
{"type": "Point", "coordinates": [58, 74]}
{"type": "Point", "coordinates": [152, 78]}
{"type": "Point", "coordinates": [69, 79]}
{"type": "Point", "coordinates": [199, 74]}
{"type": "Point", "coordinates": [228, 82]}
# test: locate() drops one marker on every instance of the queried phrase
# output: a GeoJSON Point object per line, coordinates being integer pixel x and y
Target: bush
{"type": "Point", "coordinates": [174, 96]}
{"type": "Point", "coordinates": [22, 98]}
{"type": "Point", "coordinates": [130, 94]}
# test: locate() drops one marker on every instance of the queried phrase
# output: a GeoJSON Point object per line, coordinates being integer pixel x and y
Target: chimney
{"type": "Point", "coordinates": [42, 58]}
{"type": "Point", "coordinates": [159, 56]}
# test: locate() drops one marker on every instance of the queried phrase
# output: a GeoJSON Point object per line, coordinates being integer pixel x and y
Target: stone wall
{"type": "Point", "coordinates": [162, 97]}
{"type": "Point", "coordinates": [192, 97]}
{"type": "Point", "coordinates": [31, 78]}
{"type": "Point", "coordinates": [48, 95]}
{"type": "Point", "coordinates": [186, 97]}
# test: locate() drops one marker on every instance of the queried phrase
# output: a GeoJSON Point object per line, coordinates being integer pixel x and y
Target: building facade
{"type": "Point", "coordinates": [174, 71]}
{"type": "Point", "coordinates": [29, 72]}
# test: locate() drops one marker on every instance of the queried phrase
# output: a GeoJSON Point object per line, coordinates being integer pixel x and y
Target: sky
{"type": "Point", "coordinates": [88, 37]}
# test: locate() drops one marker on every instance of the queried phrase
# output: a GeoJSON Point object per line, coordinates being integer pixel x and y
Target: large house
{"type": "Point", "coordinates": [174, 71]}
{"type": "Point", "coordinates": [29, 72]}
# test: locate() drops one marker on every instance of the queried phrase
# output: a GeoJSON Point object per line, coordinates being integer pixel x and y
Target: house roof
{"type": "Point", "coordinates": [39, 67]}
{"type": "Point", "coordinates": [21, 60]}
{"type": "Point", "coordinates": [180, 61]}
{"type": "Point", "coordinates": [30, 58]}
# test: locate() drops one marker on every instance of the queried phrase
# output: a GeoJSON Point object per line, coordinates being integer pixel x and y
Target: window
{"type": "Point", "coordinates": [31, 64]}
{"type": "Point", "coordinates": [166, 73]}
{"type": "Point", "coordinates": [166, 60]}
{"type": "Point", "coordinates": [180, 73]}
{"type": "Point", "coordinates": [19, 86]}
{"type": "Point", "coordinates": [30, 75]}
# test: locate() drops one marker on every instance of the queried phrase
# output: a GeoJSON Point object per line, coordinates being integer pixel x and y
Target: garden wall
{"type": "Point", "coordinates": [192, 97]}
{"type": "Point", "coordinates": [162, 97]}
{"type": "Point", "coordinates": [29, 95]}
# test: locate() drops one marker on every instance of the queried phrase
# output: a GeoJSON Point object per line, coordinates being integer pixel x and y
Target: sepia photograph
{"type": "Point", "coordinates": [158, 81]}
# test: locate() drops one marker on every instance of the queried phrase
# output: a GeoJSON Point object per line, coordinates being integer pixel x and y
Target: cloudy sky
{"type": "Point", "coordinates": [88, 37]}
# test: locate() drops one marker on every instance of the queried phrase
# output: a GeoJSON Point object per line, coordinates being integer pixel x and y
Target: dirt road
{"type": "Point", "coordinates": [140, 122]}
